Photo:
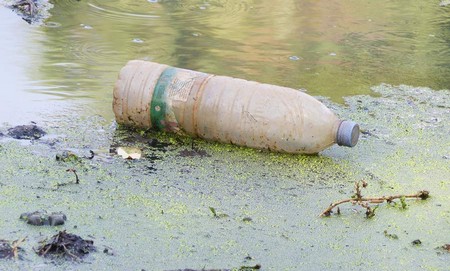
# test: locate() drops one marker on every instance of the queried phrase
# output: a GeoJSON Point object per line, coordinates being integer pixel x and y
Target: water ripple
{"type": "Point", "coordinates": [119, 13]}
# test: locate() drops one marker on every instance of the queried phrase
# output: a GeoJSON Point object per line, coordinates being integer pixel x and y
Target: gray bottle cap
{"type": "Point", "coordinates": [347, 134]}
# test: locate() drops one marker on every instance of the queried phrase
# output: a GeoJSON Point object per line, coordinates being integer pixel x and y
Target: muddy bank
{"type": "Point", "coordinates": [155, 213]}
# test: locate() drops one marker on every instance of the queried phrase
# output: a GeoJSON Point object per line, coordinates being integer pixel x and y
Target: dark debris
{"type": "Point", "coordinates": [11, 251]}
{"type": "Point", "coordinates": [41, 218]}
{"type": "Point", "coordinates": [193, 153]}
{"type": "Point", "coordinates": [26, 132]}
{"type": "Point", "coordinates": [66, 246]}
{"type": "Point", "coordinates": [242, 268]}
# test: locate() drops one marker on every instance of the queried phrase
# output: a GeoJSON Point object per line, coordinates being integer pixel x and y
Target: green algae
{"type": "Point", "coordinates": [161, 219]}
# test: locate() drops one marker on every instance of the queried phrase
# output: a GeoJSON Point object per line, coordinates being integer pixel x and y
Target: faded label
{"type": "Point", "coordinates": [181, 86]}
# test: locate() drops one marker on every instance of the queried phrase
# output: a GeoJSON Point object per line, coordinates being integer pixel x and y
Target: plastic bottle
{"type": "Point", "coordinates": [228, 110]}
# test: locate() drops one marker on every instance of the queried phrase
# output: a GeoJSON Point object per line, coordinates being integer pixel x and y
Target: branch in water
{"type": "Point", "coordinates": [364, 201]}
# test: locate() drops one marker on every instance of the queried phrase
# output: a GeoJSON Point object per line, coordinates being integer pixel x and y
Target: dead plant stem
{"type": "Point", "coordinates": [360, 200]}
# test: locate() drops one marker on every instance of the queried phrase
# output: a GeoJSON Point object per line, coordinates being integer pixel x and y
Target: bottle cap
{"type": "Point", "coordinates": [347, 134]}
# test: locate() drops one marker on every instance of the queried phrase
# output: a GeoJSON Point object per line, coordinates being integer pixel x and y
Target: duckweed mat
{"type": "Point", "coordinates": [156, 212]}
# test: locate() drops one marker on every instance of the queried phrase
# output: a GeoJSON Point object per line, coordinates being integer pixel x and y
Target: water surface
{"type": "Point", "coordinates": [329, 48]}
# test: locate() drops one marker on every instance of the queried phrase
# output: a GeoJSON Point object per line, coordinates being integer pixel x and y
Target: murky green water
{"type": "Point", "coordinates": [330, 48]}
{"type": "Point", "coordinates": [154, 213]}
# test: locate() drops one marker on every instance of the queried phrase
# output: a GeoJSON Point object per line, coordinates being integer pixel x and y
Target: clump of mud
{"type": "Point", "coordinates": [26, 132]}
{"type": "Point", "coordinates": [66, 246]}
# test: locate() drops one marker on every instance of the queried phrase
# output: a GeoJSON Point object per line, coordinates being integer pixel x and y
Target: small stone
{"type": "Point", "coordinates": [108, 251]}
{"type": "Point", "coordinates": [57, 219]}
{"type": "Point", "coordinates": [35, 220]}
{"type": "Point", "coordinates": [416, 242]}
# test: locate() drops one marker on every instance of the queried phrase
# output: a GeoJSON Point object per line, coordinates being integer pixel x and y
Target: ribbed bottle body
{"type": "Point", "coordinates": [224, 109]}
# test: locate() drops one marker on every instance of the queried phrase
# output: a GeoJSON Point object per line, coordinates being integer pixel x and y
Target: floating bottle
{"type": "Point", "coordinates": [225, 109]}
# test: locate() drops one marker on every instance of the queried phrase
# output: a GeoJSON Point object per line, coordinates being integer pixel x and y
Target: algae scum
{"type": "Point", "coordinates": [195, 204]}
{"type": "Point", "coordinates": [187, 204]}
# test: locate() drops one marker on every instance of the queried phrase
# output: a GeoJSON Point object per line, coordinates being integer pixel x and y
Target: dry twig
{"type": "Point", "coordinates": [364, 201]}
{"type": "Point", "coordinates": [15, 247]}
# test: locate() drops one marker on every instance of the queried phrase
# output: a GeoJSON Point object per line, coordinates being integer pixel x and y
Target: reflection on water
{"type": "Point", "coordinates": [330, 48]}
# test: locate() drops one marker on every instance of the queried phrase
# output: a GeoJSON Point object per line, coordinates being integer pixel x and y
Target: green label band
{"type": "Point", "coordinates": [158, 105]}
